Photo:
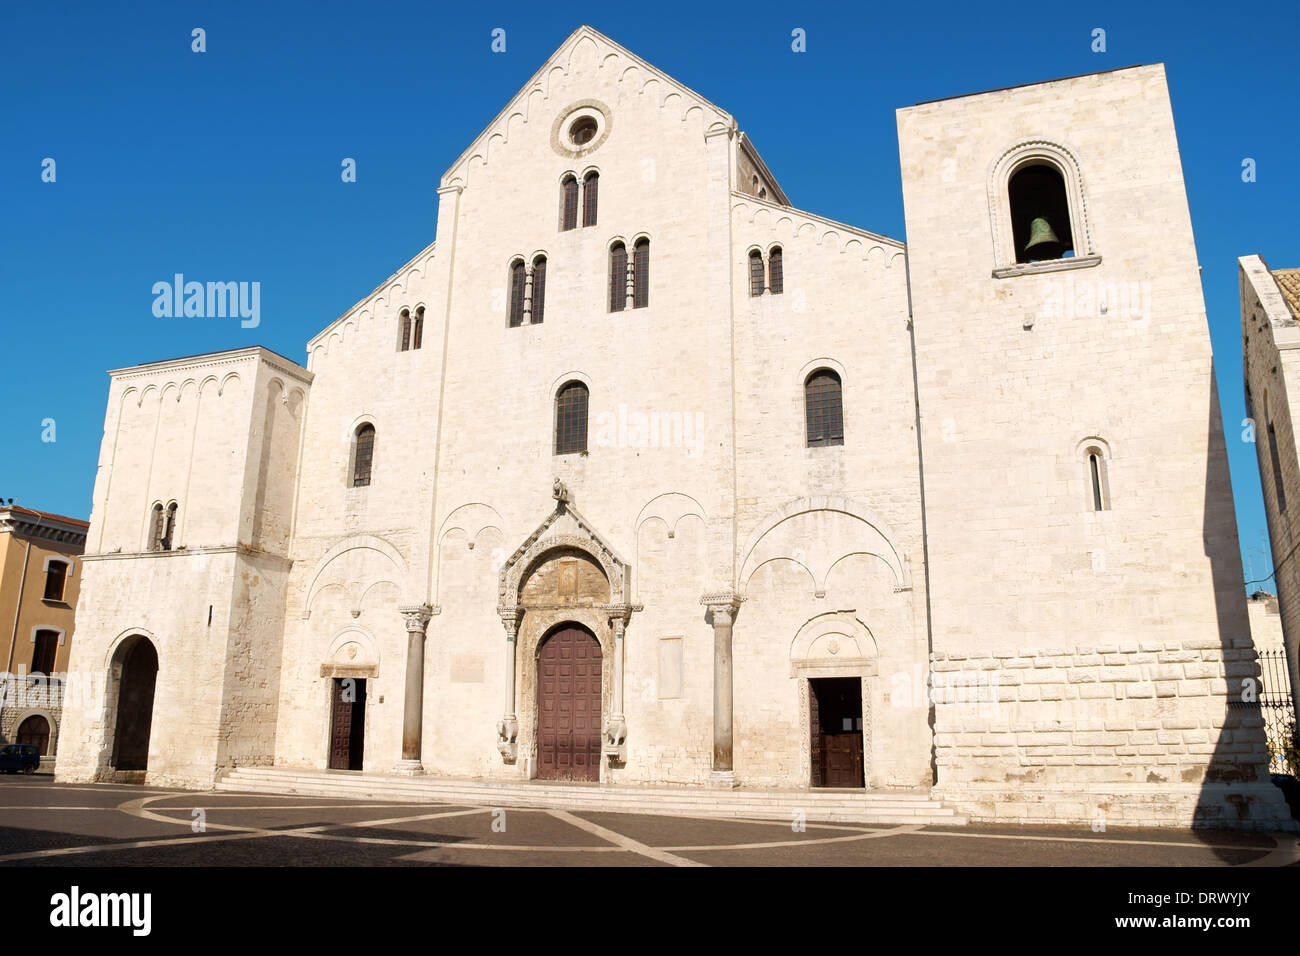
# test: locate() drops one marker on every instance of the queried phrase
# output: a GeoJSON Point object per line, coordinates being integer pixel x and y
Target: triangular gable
{"type": "Point", "coordinates": [536, 94]}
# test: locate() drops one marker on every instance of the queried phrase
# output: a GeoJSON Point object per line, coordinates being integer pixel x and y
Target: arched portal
{"type": "Point", "coordinates": [35, 730]}
{"type": "Point", "coordinates": [568, 705]}
{"type": "Point", "coordinates": [136, 660]}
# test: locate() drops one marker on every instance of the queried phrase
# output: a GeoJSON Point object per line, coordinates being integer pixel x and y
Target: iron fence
{"type": "Point", "coordinates": [1278, 710]}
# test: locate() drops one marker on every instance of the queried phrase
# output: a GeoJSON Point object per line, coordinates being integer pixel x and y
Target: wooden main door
{"type": "Point", "coordinates": [835, 706]}
{"type": "Point", "coordinates": [568, 706]}
{"type": "Point", "coordinates": [347, 723]}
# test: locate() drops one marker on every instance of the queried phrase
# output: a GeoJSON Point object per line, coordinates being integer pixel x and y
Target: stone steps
{"type": "Point", "coordinates": [823, 806]}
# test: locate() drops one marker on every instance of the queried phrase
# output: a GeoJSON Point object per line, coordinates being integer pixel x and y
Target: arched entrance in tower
{"type": "Point", "coordinates": [136, 663]}
{"type": "Point", "coordinates": [568, 705]}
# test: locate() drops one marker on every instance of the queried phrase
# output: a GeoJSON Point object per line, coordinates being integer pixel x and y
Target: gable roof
{"type": "Point", "coordinates": [1288, 281]}
{"type": "Point", "coordinates": [609, 55]}
{"type": "Point", "coordinates": [364, 307]}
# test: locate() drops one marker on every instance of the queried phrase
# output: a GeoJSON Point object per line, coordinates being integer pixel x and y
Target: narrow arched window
{"type": "Point", "coordinates": [617, 277]}
{"type": "Point", "coordinates": [406, 331]}
{"type": "Point", "coordinates": [568, 204]}
{"type": "Point", "coordinates": [56, 579]}
{"type": "Point", "coordinates": [571, 419]}
{"type": "Point", "coordinates": [1098, 481]}
{"type": "Point", "coordinates": [417, 336]}
{"type": "Point", "coordinates": [363, 455]}
{"type": "Point", "coordinates": [159, 528]}
{"type": "Point", "coordinates": [590, 192]}
{"type": "Point", "coordinates": [1278, 488]}
{"type": "Point", "coordinates": [169, 529]}
{"type": "Point", "coordinates": [539, 288]}
{"type": "Point", "coordinates": [824, 408]}
{"type": "Point", "coordinates": [755, 273]}
{"type": "Point", "coordinates": [518, 279]}
{"type": "Point", "coordinates": [775, 271]}
{"type": "Point", "coordinates": [1040, 213]}
{"type": "Point", "coordinates": [641, 274]}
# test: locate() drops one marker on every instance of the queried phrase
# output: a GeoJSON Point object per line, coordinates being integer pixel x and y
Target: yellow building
{"type": "Point", "coordinates": [39, 578]}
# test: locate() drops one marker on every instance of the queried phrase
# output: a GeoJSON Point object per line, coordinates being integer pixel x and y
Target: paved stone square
{"type": "Point", "coordinates": [43, 823]}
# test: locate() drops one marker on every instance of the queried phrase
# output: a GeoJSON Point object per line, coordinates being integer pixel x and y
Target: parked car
{"type": "Point", "coordinates": [24, 757]}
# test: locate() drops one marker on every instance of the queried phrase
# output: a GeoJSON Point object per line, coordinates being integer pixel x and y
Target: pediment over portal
{"type": "Point", "coordinates": [564, 529]}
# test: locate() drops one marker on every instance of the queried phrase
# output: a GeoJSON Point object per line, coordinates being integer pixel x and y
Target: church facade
{"type": "Point", "coordinates": [639, 474]}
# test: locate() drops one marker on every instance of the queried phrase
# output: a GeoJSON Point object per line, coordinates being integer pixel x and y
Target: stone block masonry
{"type": "Point", "coordinates": [1145, 733]}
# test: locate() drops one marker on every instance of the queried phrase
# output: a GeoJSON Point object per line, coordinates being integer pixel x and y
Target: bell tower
{"type": "Point", "coordinates": [1078, 507]}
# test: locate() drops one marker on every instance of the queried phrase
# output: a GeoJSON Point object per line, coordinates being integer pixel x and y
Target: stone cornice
{"type": "Point", "coordinates": [831, 225]}
{"type": "Point", "coordinates": [241, 549]}
{"type": "Point", "coordinates": [46, 528]}
{"type": "Point", "coordinates": [749, 149]}
{"type": "Point", "coordinates": [1051, 265]}
{"type": "Point", "coordinates": [214, 360]}
{"type": "Point", "coordinates": [401, 276]}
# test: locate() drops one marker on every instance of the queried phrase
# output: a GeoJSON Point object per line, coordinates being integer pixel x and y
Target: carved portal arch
{"type": "Point", "coordinates": [563, 531]}
{"type": "Point", "coordinates": [575, 533]}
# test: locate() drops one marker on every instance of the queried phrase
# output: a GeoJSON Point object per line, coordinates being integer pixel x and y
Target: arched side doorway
{"type": "Point", "coordinates": [137, 661]}
{"type": "Point", "coordinates": [833, 659]}
{"type": "Point", "coordinates": [568, 705]}
{"type": "Point", "coordinates": [35, 731]}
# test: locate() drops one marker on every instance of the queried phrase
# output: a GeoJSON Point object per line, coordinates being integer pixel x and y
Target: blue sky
{"type": "Point", "coordinates": [225, 165]}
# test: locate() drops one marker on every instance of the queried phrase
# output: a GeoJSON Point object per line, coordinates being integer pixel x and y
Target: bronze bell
{"type": "Point", "coordinates": [1043, 241]}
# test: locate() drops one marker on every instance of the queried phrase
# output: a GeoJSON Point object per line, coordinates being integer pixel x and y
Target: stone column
{"type": "Point", "coordinates": [723, 606]}
{"type": "Point", "coordinates": [508, 725]}
{"type": "Point", "coordinates": [616, 724]}
{"type": "Point", "coordinates": [417, 616]}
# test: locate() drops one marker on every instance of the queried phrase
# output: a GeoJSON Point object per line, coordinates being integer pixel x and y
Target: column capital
{"type": "Point", "coordinates": [510, 615]}
{"type": "Point", "coordinates": [621, 613]}
{"type": "Point", "coordinates": [727, 131]}
{"type": "Point", "coordinates": [724, 602]}
{"type": "Point", "coordinates": [417, 615]}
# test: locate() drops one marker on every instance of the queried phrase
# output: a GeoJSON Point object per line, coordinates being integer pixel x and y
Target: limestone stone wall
{"type": "Point", "coordinates": [1265, 622]}
{"type": "Point", "coordinates": [1069, 735]}
{"type": "Point", "coordinates": [698, 477]}
{"type": "Point", "coordinates": [1017, 372]}
{"type": "Point", "coordinates": [1270, 344]}
{"type": "Point", "coordinates": [830, 530]}
{"type": "Point", "coordinates": [123, 597]}
{"type": "Point", "coordinates": [219, 436]}
{"type": "Point", "coordinates": [1022, 368]}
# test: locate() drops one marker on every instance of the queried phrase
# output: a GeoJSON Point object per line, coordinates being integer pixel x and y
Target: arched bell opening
{"type": "Point", "coordinates": [1040, 213]}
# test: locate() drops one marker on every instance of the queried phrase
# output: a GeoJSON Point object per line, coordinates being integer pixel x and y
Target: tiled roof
{"type": "Point", "coordinates": [33, 513]}
{"type": "Point", "coordinates": [1288, 280]}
